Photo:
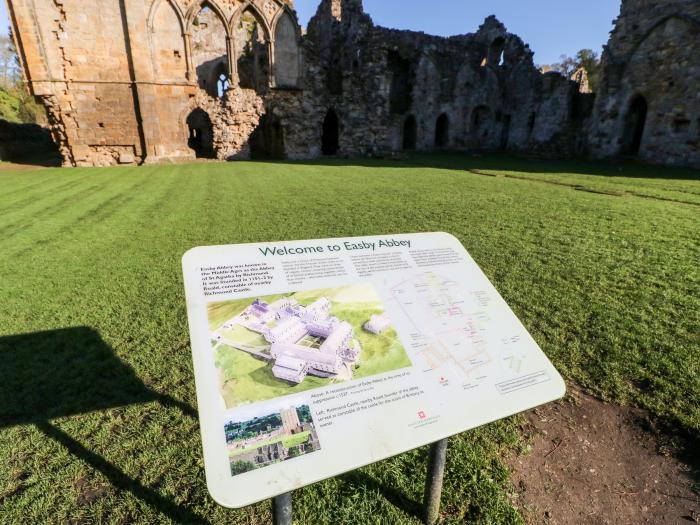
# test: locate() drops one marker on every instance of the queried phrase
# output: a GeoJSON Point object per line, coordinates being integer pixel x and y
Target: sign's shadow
{"type": "Point", "coordinates": [72, 371]}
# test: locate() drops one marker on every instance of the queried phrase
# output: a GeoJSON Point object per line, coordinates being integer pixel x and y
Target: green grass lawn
{"type": "Point", "coordinates": [600, 262]}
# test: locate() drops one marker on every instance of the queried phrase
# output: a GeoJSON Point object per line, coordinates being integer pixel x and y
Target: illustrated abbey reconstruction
{"type": "Point", "coordinates": [142, 81]}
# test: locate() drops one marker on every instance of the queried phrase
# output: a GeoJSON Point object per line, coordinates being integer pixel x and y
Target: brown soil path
{"type": "Point", "coordinates": [596, 463]}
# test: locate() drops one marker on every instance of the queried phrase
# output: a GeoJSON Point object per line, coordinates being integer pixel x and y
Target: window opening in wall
{"type": "Point", "coordinates": [442, 131]}
{"type": "Point", "coordinates": [222, 85]}
{"type": "Point", "coordinates": [253, 60]}
{"type": "Point", "coordinates": [635, 123]}
{"type": "Point", "coordinates": [330, 138]}
{"type": "Point", "coordinates": [209, 49]}
{"type": "Point", "coordinates": [409, 133]}
{"type": "Point", "coordinates": [287, 54]}
{"type": "Point", "coordinates": [681, 125]}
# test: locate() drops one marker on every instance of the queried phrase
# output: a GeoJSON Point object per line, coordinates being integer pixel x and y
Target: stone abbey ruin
{"type": "Point", "coordinates": [141, 81]}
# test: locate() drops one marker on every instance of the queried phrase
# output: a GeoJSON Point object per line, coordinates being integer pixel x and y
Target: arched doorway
{"type": "Point", "coordinates": [634, 126]}
{"type": "Point", "coordinates": [331, 133]}
{"type": "Point", "coordinates": [409, 133]}
{"type": "Point", "coordinates": [201, 134]}
{"type": "Point", "coordinates": [442, 131]}
{"type": "Point", "coordinates": [481, 121]}
{"type": "Point", "coordinates": [267, 141]}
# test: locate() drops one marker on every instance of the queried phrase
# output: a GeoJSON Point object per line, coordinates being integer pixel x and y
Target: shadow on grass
{"type": "Point", "coordinates": [28, 144]}
{"type": "Point", "coordinates": [394, 496]}
{"type": "Point", "coordinates": [463, 161]}
{"type": "Point", "coordinates": [60, 373]}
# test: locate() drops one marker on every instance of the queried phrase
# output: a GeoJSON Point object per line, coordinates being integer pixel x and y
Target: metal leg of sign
{"type": "Point", "coordinates": [282, 509]}
{"type": "Point", "coordinates": [433, 482]}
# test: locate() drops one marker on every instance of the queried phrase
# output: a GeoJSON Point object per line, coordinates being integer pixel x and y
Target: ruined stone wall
{"type": "Point", "coordinates": [649, 102]}
{"type": "Point", "coordinates": [393, 90]}
{"type": "Point", "coordinates": [119, 78]}
{"type": "Point", "coordinates": [127, 81]}
{"type": "Point", "coordinates": [76, 60]}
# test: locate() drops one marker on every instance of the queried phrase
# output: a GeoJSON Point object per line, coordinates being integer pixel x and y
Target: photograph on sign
{"type": "Point", "coordinates": [313, 358]}
{"type": "Point", "coordinates": [270, 434]}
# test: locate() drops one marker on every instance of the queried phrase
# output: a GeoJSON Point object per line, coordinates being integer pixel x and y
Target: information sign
{"type": "Point", "coordinates": [314, 358]}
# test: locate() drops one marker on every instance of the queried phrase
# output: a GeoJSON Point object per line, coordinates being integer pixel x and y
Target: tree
{"type": "Point", "coordinates": [16, 103]}
{"type": "Point", "coordinates": [240, 467]}
{"type": "Point", "coordinates": [10, 71]}
{"type": "Point", "coordinates": [586, 59]}
{"type": "Point", "coordinates": [8, 62]}
{"type": "Point", "coordinates": [566, 66]}
{"type": "Point", "coordinates": [590, 61]}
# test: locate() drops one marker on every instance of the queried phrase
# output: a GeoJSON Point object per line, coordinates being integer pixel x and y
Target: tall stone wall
{"type": "Point", "coordinates": [120, 78]}
{"type": "Point", "coordinates": [393, 90]}
{"type": "Point", "coordinates": [133, 81]}
{"type": "Point", "coordinates": [649, 101]}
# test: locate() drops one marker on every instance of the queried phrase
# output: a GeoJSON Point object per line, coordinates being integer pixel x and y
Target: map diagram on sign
{"type": "Point", "coordinates": [463, 338]}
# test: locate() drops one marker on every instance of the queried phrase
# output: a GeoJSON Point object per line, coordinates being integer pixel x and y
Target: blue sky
{"type": "Point", "coordinates": [551, 27]}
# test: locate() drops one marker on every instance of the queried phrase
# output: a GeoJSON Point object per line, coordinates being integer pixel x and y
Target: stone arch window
{"type": "Point", "coordinates": [481, 122]}
{"type": "Point", "coordinates": [168, 43]}
{"type": "Point", "coordinates": [680, 124]}
{"type": "Point", "coordinates": [201, 134]}
{"type": "Point", "coordinates": [220, 79]}
{"type": "Point", "coordinates": [409, 133]}
{"type": "Point", "coordinates": [496, 54]}
{"type": "Point", "coordinates": [209, 49]}
{"type": "Point", "coordinates": [252, 45]}
{"type": "Point", "coordinates": [442, 131]}
{"type": "Point", "coordinates": [287, 52]}
{"type": "Point", "coordinates": [531, 122]}
{"type": "Point", "coordinates": [330, 138]}
{"type": "Point", "coordinates": [401, 90]}
{"type": "Point", "coordinates": [334, 72]}
{"type": "Point", "coordinates": [222, 84]}
{"type": "Point", "coordinates": [505, 131]}
{"type": "Point", "coordinates": [635, 123]}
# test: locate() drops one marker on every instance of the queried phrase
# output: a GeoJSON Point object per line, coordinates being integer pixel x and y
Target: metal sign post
{"type": "Point", "coordinates": [433, 481]}
{"type": "Point", "coordinates": [282, 509]}
{"type": "Point", "coordinates": [282, 505]}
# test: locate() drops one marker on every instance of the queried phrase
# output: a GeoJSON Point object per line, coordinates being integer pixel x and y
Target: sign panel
{"type": "Point", "coordinates": [313, 358]}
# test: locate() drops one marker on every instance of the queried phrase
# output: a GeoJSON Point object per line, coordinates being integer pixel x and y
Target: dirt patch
{"type": "Point", "coordinates": [596, 463]}
{"type": "Point", "coordinates": [87, 493]}
{"type": "Point", "coordinates": [8, 166]}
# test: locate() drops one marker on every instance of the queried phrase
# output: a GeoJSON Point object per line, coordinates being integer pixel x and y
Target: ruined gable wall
{"type": "Point", "coordinates": [652, 53]}
{"type": "Point", "coordinates": [132, 73]}
{"type": "Point", "coordinates": [115, 78]}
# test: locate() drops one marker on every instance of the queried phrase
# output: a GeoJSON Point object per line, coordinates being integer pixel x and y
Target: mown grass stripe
{"type": "Point", "coordinates": [608, 286]}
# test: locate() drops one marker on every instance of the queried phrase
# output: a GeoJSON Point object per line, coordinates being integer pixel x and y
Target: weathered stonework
{"type": "Point", "coordinates": [649, 100]}
{"type": "Point", "coordinates": [149, 81]}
